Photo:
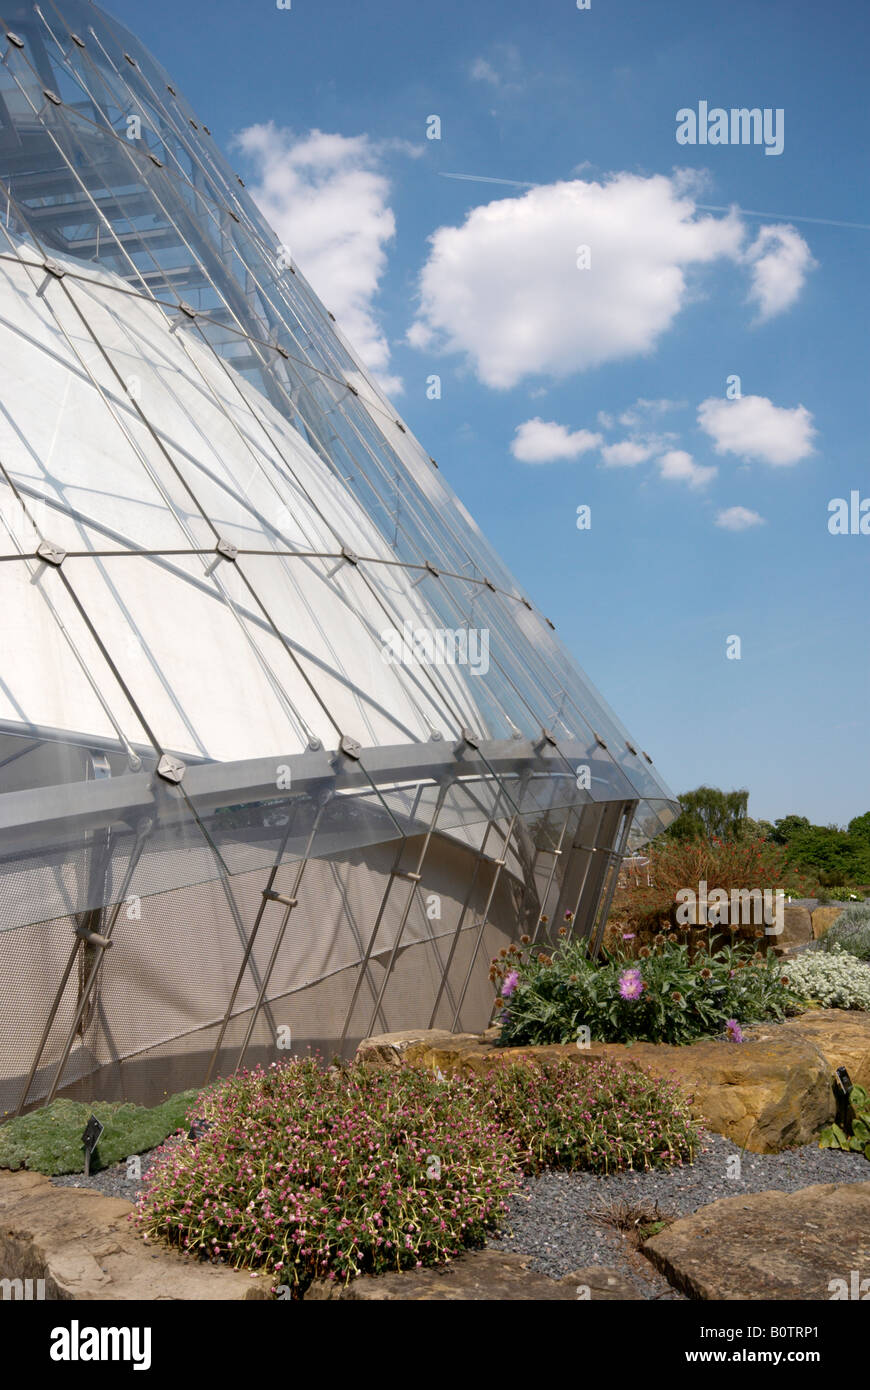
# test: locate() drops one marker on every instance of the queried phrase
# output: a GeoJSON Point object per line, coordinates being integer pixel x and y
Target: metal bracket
{"type": "Point", "coordinates": [471, 738]}
{"type": "Point", "coordinates": [349, 555]}
{"type": "Point", "coordinates": [279, 898]}
{"type": "Point", "coordinates": [51, 554]}
{"type": "Point", "coordinates": [349, 747]}
{"type": "Point", "coordinates": [227, 549]}
{"type": "Point", "coordinates": [52, 96]}
{"type": "Point", "coordinates": [171, 769]}
{"type": "Point", "coordinates": [185, 310]}
{"type": "Point", "coordinates": [93, 938]}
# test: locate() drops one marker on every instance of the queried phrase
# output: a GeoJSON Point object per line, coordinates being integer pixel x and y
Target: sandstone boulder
{"type": "Point", "coordinates": [772, 1245]}
{"type": "Point", "coordinates": [480, 1276]}
{"type": "Point", "coordinates": [797, 929]}
{"type": "Point", "coordinates": [842, 1035]}
{"type": "Point", "coordinates": [82, 1244]}
{"type": "Point", "coordinates": [392, 1049]}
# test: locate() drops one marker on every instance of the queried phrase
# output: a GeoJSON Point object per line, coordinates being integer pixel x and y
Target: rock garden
{"type": "Point", "coordinates": [660, 1122]}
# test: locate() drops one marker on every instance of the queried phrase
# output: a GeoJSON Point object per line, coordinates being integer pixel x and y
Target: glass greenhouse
{"type": "Point", "coordinates": [253, 786]}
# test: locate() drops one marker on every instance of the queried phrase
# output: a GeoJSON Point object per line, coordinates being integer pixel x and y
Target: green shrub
{"type": "Point", "coordinates": [835, 979]}
{"type": "Point", "coordinates": [851, 931]}
{"type": "Point", "coordinates": [858, 1137]}
{"type": "Point", "coordinates": [839, 893]}
{"type": "Point", "coordinates": [594, 1115]}
{"type": "Point", "coordinates": [667, 992]}
{"type": "Point", "coordinates": [49, 1140]}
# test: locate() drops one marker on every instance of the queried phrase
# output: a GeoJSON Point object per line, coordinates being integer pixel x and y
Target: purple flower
{"type": "Point", "coordinates": [628, 936]}
{"type": "Point", "coordinates": [734, 1031]}
{"type": "Point", "coordinates": [631, 984]}
{"type": "Point", "coordinates": [511, 980]}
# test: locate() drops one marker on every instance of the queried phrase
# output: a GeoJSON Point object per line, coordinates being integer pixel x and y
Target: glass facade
{"type": "Point", "coordinates": [264, 682]}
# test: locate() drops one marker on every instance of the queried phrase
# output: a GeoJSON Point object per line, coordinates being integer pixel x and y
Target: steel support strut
{"type": "Point", "coordinates": [291, 902]}
{"type": "Point", "coordinates": [142, 833]}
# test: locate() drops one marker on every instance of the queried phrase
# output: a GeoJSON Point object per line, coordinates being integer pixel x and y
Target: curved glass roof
{"type": "Point", "coordinates": [220, 542]}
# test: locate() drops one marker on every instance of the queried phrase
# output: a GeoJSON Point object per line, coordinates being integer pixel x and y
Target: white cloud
{"type": "Point", "coordinates": [505, 290]}
{"type": "Point", "coordinates": [327, 200]}
{"type": "Point", "coordinates": [503, 72]}
{"type": "Point", "coordinates": [738, 519]}
{"type": "Point", "coordinates": [680, 467]}
{"type": "Point", "coordinates": [543, 441]}
{"type": "Point", "coordinates": [482, 71]}
{"type": "Point", "coordinates": [643, 411]}
{"type": "Point", "coordinates": [626, 453]}
{"type": "Point", "coordinates": [754, 428]}
{"type": "Point", "coordinates": [779, 260]}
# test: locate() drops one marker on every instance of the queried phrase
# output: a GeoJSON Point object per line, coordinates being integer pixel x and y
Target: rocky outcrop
{"type": "Point", "coordinates": [771, 1092]}
{"type": "Point", "coordinates": [480, 1276]}
{"type": "Point", "coordinates": [797, 929]}
{"type": "Point", "coordinates": [842, 1035]}
{"type": "Point", "coordinates": [813, 1244]}
{"type": "Point", "coordinates": [84, 1248]}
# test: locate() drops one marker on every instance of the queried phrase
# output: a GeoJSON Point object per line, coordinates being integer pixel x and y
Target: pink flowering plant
{"type": "Point", "coordinates": [597, 1115]}
{"type": "Point", "coordinates": [669, 991]}
{"type": "Point", "coordinates": [306, 1173]}
{"type": "Point", "coordinates": [310, 1173]}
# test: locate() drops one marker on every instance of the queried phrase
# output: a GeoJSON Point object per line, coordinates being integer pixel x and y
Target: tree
{"type": "Point", "coordinates": [859, 828]}
{"type": "Point", "coordinates": [707, 813]}
{"type": "Point", "coordinates": [788, 828]}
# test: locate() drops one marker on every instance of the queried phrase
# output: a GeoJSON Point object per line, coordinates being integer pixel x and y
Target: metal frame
{"type": "Point", "coordinates": [207, 273]}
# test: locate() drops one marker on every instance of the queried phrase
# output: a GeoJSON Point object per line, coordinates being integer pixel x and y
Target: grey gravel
{"type": "Point", "coordinates": [113, 1181]}
{"type": "Point", "coordinates": [554, 1220]}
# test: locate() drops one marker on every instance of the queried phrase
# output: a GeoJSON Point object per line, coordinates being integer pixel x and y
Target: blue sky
{"type": "Point", "coordinates": [710, 520]}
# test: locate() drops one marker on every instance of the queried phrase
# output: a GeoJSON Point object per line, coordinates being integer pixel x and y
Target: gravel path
{"type": "Point", "coordinates": [554, 1221]}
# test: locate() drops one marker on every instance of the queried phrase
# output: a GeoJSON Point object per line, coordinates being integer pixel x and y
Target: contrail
{"type": "Point", "coordinates": [786, 217]}
{"type": "Point", "coordinates": [483, 178]}
{"type": "Point", "coordinates": [703, 207]}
